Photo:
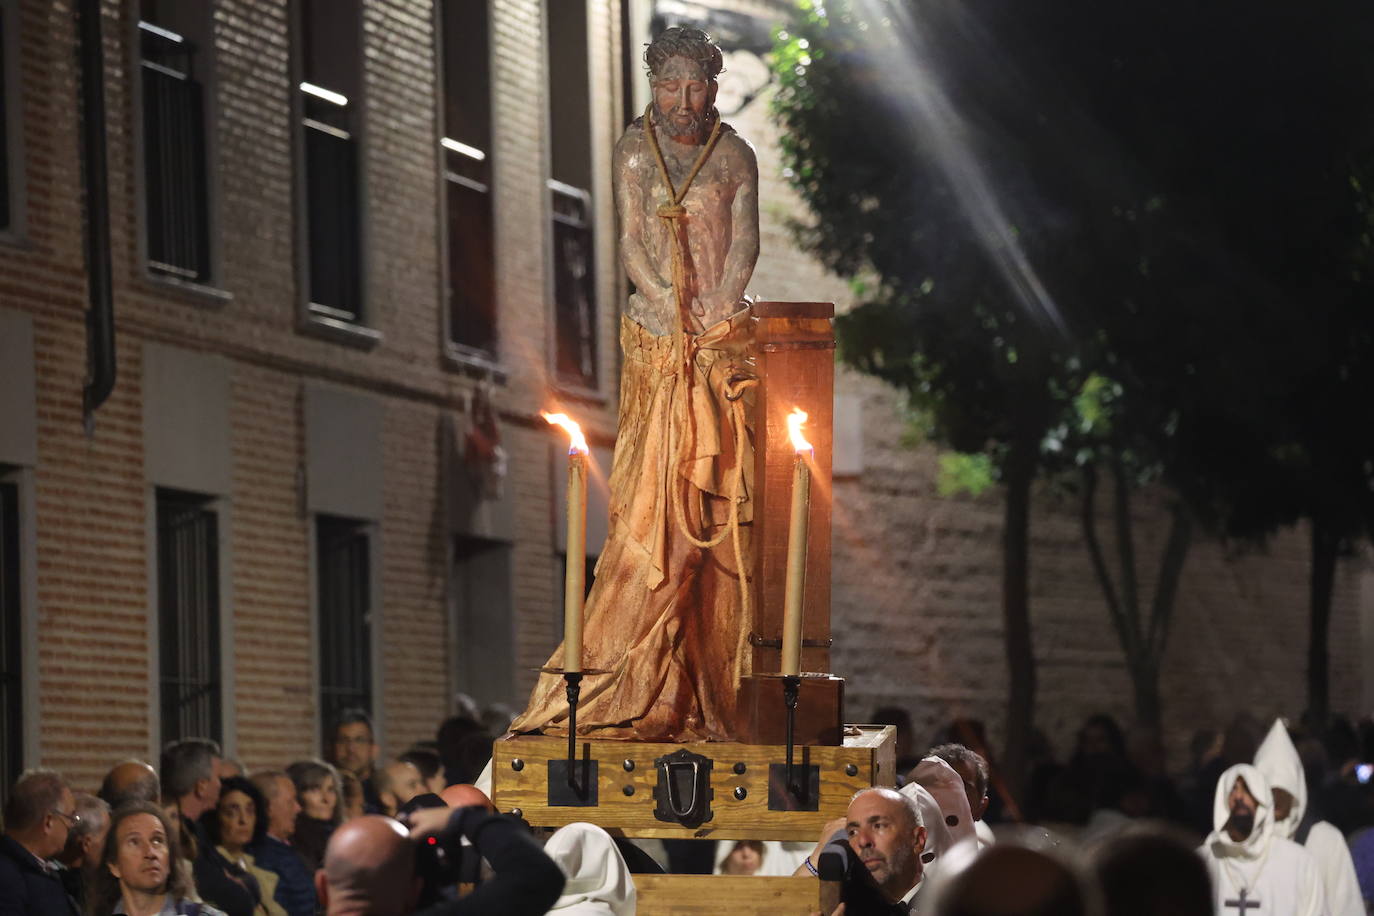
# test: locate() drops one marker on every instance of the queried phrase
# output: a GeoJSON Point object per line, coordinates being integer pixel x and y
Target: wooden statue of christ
{"type": "Point", "coordinates": [667, 616]}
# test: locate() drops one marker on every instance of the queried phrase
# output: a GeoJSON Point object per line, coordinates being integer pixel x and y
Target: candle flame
{"type": "Point", "coordinates": [578, 442]}
{"type": "Point", "coordinates": [794, 424]}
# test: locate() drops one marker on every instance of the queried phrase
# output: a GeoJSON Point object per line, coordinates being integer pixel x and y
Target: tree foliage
{"type": "Point", "coordinates": [1132, 237]}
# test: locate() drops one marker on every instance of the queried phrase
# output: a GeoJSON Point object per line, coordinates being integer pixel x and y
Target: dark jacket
{"type": "Point", "coordinates": [27, 887]}
{"type": "Point", "coordinates": [527, 882]}
{"type": "Point", "coordinates": [296, 889]}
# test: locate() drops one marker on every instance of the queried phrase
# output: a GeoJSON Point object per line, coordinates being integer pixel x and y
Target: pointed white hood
{"type": "Point", "coordinates": [1256, 845]}
{"type": "Point", "coordinates": [938, 838]}
{"type": "Point", "coordinates": [945, 784]}
{"type": "Point", "coordinates": [598, 881]}
{"type": "Point", "coordinates": [1278, 760]}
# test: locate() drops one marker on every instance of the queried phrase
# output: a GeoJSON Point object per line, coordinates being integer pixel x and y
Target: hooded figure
{"type": "Point", "coordinates": [1278, 760]}
{"type": "Point", "coordinates": [598, 883]}
{"type": "Point", "coordinates": [1255, 872]}
{"type": "Point", "coordinates": [945, 784]}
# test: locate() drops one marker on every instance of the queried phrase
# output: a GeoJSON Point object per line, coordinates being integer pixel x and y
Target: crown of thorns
{"type": "Point", "coordinates": [691, 44]}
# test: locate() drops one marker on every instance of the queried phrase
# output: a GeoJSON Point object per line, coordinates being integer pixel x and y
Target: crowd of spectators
{"type": "Point", "coordinates": [1108, 832]}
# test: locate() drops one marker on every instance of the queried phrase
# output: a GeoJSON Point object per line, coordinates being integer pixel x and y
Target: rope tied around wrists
{"type": "Point", "coordinates": [673, 213]}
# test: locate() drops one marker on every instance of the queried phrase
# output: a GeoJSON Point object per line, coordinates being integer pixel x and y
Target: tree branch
{"type": "Point", "coordinates": [1170, 571]}
{"type": "Point", "coordinates": [1125, 548]}
{"type": "Point", "coordinates": [1104, 575]}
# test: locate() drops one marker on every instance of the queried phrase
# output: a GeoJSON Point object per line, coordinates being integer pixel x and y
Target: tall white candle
{"type": "Point", "coordinates": [575, 580]}
{"type": "Point", "coordinates": [798, 534]}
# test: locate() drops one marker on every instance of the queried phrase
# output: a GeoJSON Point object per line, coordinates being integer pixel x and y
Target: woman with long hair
{"type": "Point", "coordinates": [140, 872]}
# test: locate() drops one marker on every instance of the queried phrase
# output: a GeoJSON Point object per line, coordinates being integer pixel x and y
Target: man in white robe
{"type": "Point", "coordinates": [1256, 872]}
{"type": "Point", "coordinates": [1278, 760]}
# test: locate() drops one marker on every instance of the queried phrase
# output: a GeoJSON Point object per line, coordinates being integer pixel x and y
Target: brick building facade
{"type": "Point", "coordinates": [291, 484]}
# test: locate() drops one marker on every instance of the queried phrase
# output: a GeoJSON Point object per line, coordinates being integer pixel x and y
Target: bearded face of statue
{"type": "Point", "coordinates": [684, 97]}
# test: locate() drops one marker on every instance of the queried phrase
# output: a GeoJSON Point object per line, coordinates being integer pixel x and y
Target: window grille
{"type": "Point", "coordinates": [188, 617]}
{"type": "Point", "coordinates": [574, 286]}
{"type": "Point", "coordinates": [11, 653]}
{"type": "Point", "coordinates": [174, 156]}
{"type": "Point", "coordinates": [342, 558]}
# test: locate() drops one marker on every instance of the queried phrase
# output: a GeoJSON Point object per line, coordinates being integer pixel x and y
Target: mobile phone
{"type": "Point", "coordinates": [1364, 772]}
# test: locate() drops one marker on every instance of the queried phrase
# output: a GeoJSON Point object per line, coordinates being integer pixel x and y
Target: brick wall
{"type": "Point", "coordinates": [93, 504]}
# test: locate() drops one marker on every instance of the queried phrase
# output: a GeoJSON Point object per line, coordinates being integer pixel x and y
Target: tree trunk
{"type": "Point", "coordinates": [1325, 548]}
{"type": "Point", "coordinates": [1020, 474]}
{"type": "Point", "coordinates": [1145, 681]}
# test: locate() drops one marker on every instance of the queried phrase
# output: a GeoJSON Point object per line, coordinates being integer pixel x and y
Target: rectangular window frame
{"type": "Point", "coordinates": [603, 254]}
{"type": "Point", "coordinates": [376, 657]}
{"type": "Point", "coordinates": [21, 479]}
{"type": "Point", "coordinates": [219, 507]}
{"type": "Point", "coordinates": [210, 290]}
{"type": "Point", "coordinates": [15, 228]}
{"type": "Point", "coordinates": [313, 318]}
{"type": "Point", "coordinates": [477, 361]}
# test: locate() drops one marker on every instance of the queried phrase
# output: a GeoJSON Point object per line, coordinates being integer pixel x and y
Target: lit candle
{"type": "Point", "coordinates": [797, 535]}
{"type": "Point", "coordinates": [575, 581]}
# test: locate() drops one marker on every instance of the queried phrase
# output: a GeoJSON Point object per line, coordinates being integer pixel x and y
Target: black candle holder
{"type": "Point", "coordinates": [573, 690]}
{"type": "Point", "coordinates": [791, 688]}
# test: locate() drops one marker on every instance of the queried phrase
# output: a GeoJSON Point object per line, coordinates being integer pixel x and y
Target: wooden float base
{"type": "Point", "coordinates": [736, 791]}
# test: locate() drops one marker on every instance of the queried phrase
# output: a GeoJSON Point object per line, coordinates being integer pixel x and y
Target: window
{"type": "Point", "coordinates": [483, 631]}
{"type": "Point", "coordinates": [174, 152]}
{"type": "Point", "coordinates": [331, 110]}
{"type": "Point", "coordinates": [5, 26]}
{"type": "Point", "coordinates": [188, 616]}
{"type": "Point", "coordinates": [344, 594]}
{"type": "Point", "coordinates": [574, 252]}
{"type": "Point", "coordinates": [11, 654]}
{"type": "Point", "coordinates": [466, 150]}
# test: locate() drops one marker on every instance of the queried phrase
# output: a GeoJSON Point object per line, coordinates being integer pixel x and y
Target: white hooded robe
{"type": "Point", "coordinates": [1265, 874]}
{"type": "Point", "coordinates": [1278, 760]}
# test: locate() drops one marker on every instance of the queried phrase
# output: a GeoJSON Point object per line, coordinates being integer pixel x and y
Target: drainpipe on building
{"type": "Point", "coordinates": [100, 342]}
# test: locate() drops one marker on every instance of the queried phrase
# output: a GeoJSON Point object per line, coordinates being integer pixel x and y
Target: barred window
{"type": "Point", "coordinates": [344, 576]}
{"type": "Point", "coordinates": [174, 154]}
{"type": "Point", "coordinates": [570, 196]}
{"type": "Point", "coordinates": [330, 107]}
{"type": "Point", "coordinates": [188, 616]}
{"type": "Point", "coordinates": [11, 654]}
{"type": "Point", "coordinates": [466, 150]}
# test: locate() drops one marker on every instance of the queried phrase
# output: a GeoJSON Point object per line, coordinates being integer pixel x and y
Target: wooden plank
{"type": "Point", "coordinates": [711, 895]}
{"type": "Point", "coordinates": [521, 781]}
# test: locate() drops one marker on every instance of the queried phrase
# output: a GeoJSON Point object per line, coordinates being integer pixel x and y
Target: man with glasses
{"type": "Point", "coordinates": [39, 817]}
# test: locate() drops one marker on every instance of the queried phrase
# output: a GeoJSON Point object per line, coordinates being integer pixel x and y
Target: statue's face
{"type": "Point", "coordinates": [683, 94]}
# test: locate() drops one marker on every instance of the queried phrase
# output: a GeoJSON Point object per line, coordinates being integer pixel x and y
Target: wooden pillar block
{"type": "Point", "coordinates": [795, 348]}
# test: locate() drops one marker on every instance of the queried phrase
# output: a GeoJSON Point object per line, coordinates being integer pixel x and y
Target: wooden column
{"type": "Point", "coordinates": [795, 352]}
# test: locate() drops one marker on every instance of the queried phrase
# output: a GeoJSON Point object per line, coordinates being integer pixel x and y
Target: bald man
{"type": "Point", "coordinates": [397, 783]}
{"type": "Point", "coordinates": [369, 870]}
{"type": "Point", "coordinates": [369, 866]}
{"type": "Point", "coordinates": [130, 781]}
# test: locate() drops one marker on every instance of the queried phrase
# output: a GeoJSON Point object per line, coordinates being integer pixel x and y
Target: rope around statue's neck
{"type": "Point", "coordinates": [672, 213]}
